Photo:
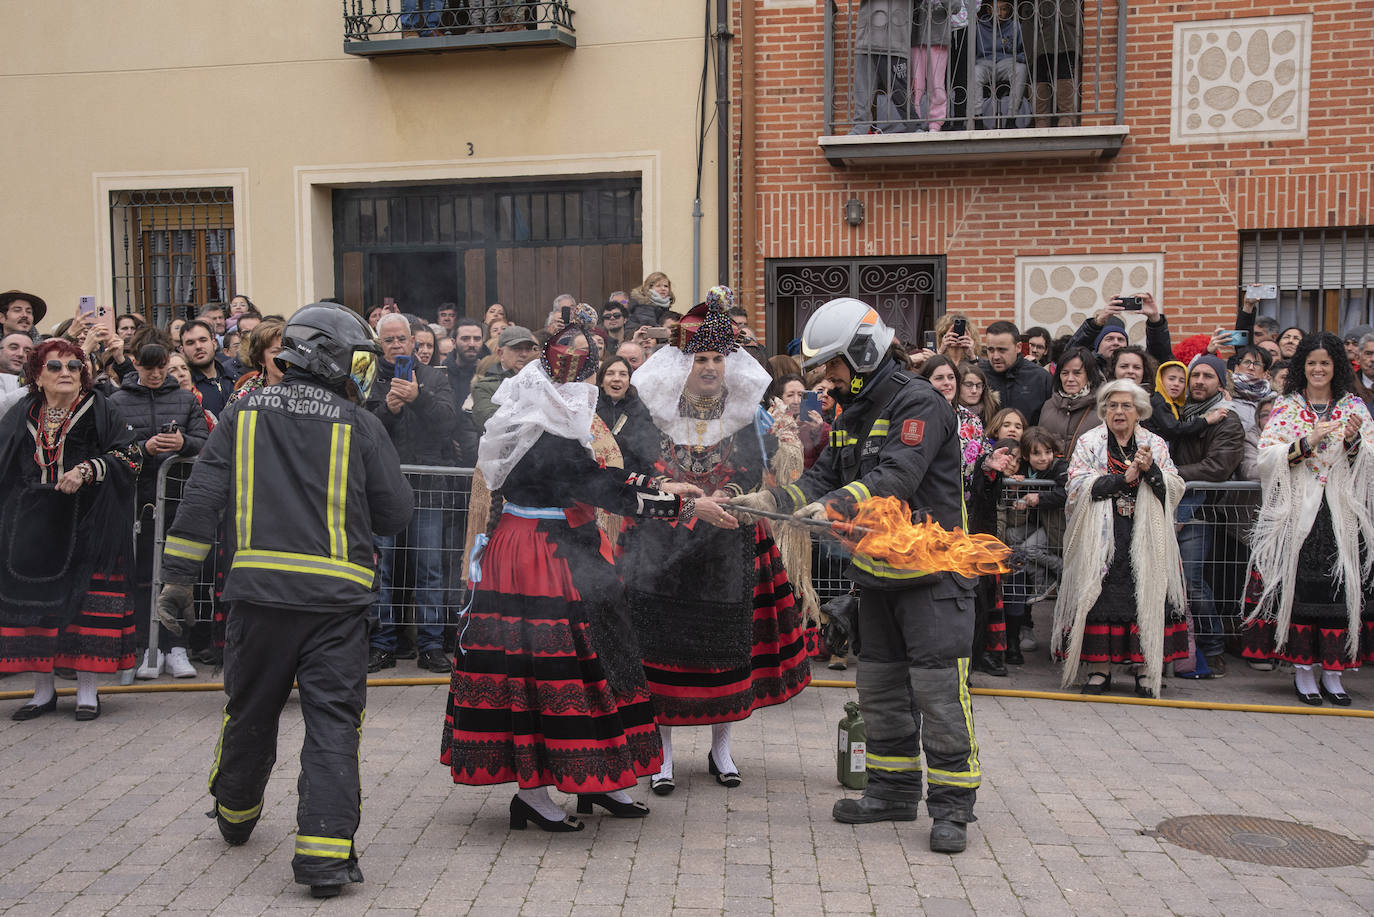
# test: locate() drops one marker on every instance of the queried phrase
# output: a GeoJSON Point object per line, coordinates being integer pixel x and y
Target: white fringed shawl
{"type": "Point", "coordinates": [1089, 546]}
{"type": "Point", "coordinates": [1291, 495]}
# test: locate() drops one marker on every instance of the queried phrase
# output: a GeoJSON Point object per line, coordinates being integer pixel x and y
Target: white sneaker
{"type": "Point", "coordinates": [1028, 642]}
{"type": "Point", "coordinates": [178, 666]}
{"type": "Point", "coordinates": [148, 670]}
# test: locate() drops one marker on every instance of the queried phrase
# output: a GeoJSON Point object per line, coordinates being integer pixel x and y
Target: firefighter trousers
{"type": "Point", "coordinates": [325, 654]}
{"type": "Point", "coordinates": [913, 692]}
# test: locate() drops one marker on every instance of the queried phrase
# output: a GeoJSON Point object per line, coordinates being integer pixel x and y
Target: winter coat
{"type": "Point", "coordinates": [146, 411]}
{"type": "Point", "coordinates": [883, 27]}
{"type": "Point", "coordinates": [931, 21]}
{"type": "Point", "coordinates": [1024, 386]}
{"type": "Point", "coordinates": [643, 311]}
{"type": "Point", "coordinates": [634, 431]}
{"type": "Point", "coordinates": [1057, 28]}
{"type": "Point", "coordinates": [1069, 420]}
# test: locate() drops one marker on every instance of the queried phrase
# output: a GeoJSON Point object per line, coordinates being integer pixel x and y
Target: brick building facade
{"type": "Point", "coordinates": [1244, 136]}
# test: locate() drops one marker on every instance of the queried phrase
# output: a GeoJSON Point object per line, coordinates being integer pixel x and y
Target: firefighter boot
{"type": "Point", "coordinates": [948, 836]}
{"type": "Point", "coordinates": [867, 809]}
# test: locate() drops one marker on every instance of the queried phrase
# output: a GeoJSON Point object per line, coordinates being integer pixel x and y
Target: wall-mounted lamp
{"type": "Point", "coordinates": [854, 212]}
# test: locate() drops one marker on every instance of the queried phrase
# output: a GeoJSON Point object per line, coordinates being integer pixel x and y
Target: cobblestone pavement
{"type": "Point", "coordinates": [108, 817]}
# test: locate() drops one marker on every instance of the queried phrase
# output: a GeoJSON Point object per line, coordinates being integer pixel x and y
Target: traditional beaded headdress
{"type": "Point", "coordinates": [562, 363]}
{"type": "Point", "coordinates": [707, 327]}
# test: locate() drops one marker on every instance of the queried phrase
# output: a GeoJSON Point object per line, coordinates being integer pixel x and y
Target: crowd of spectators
{"type": "Point", "coordinates": [1025, 400]}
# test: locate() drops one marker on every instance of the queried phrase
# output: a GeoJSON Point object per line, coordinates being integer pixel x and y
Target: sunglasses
{"type": "Point", "coordinates": [56, 366]}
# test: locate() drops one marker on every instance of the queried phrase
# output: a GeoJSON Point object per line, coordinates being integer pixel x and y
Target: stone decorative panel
{"type": "Point", "coordinates": [1241, 79]}
{"type": "Point", "coordinates": [1059, 291]}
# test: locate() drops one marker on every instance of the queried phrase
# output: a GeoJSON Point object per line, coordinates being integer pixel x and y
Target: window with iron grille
{"type": "Point", "coordinates": [1325, 277]}
{"type": "Point", "coordinates": [172, 250]}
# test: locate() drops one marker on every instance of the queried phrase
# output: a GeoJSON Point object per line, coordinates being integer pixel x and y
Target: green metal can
{"type": "Point", "coordinates": [851, 755]}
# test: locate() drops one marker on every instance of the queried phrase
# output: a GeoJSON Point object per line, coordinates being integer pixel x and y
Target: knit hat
{"type": "Point", "coordinates": [1216, 363]}
{"type": "Point", "coordinates": [1112, 328]}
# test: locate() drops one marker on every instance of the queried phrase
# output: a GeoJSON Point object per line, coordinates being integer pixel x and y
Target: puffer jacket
{"type": "Point", "coordinates": [1069, 419]}
{"type": "Point", "coordinates": [146, 411]}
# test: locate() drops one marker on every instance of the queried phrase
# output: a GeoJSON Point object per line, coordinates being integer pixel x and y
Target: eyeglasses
{"type": "Point", "coordinates": [1250, 363]}
{"type": "Point", "coordinates": [1122, 406]}
{"type": "Point", "coordinates": [56, 366]}
{"type": "Point", "coordinates": [395, 339]}
{"type": "Point", "coordinates": [971, 383]}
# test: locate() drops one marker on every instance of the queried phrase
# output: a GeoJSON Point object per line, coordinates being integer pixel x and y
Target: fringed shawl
{"type": "Point", "coordinates": [1291, 496]}
{"type": "Point", "coordinates": [1089, 547]}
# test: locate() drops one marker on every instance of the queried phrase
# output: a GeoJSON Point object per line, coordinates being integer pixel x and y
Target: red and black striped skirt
{"type": "Point", "coordinates": [99, 639]}
{"type": "Point", "coordinates": [778, 669]}
{"type": "Point", "coordinates": [530, 702]}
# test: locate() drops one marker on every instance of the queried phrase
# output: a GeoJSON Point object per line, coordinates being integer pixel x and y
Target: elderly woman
{"type": "Point", "coordinates": [1316, 522]}
{"type": "Point", "coordinates": [714, 610]}
{"type": "Point", "coordinates": [67, 463]}
{"type": "Point", "coordinates": [1121, 598]}
{"type": "Point", "coordinates": [1070, 411]}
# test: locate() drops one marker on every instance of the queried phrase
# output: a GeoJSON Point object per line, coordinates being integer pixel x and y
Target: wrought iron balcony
{"type": "Point", "coordinates": [378, 27]}
{"type": "Point", "coordinates": [973, 79]}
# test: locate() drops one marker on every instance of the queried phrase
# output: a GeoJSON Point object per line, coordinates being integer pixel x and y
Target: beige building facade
{"type": "Point", "coordinates": [163, 155]}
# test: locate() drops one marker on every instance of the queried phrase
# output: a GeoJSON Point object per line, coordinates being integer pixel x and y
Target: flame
{"type": "Point", "coordinates": [889, 535]}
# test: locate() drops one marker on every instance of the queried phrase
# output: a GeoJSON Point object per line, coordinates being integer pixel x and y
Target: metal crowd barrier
{"type": "Point", "coordinates": [426, 576]}
{"type": "Point", "coordinates": [1213, 537]}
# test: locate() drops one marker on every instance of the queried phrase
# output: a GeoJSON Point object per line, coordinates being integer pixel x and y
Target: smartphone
{"type": "Point", "coordinates": [960, 327]}
{"type": "Point", "coordinates": [86, 308]}
{"type": "Point", "coordinates": [104, 316]}
{"type": "Point", "coordinates": [1131, 303]}
{"type": "Point", "coordinates": [1025, 348]}
{"type": "Point", "coordinates": [170, 427]}
{"type": "Point", "coordinates": [405, 367]}
{"type": "Point", "coordinates": [1261, 291]}
{"type": "Point", "coordinates": [658, 334]}
{"type": "Point", "coordinates": [931, 343]}
{"type": "Point", "coordinates": [810, 402]}
{"type": "Point", "coordinates": [1240, 338]}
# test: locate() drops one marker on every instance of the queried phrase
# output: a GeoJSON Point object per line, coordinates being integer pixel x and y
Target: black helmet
{"type": "Point", "coordinates": [334, 344]}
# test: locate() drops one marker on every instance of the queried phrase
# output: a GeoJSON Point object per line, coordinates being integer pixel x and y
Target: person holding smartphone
{"type": "Point", "coordinates": [1106, 326]}
{"type": "Point", "coordinates": [166, 421]}
{"type": "Point", "coordinates": [415, 404]}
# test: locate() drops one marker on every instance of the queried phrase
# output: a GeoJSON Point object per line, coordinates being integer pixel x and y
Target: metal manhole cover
{"type": "Point", "coordinates": [1261, 840]}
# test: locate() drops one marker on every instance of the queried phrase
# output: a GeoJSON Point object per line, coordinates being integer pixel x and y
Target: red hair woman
{"type": "Point", "coordinates": [68, 464]}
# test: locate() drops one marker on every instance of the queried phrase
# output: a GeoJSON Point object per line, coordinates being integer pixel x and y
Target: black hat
{"type": "Point", "coordinates": [40, 308]}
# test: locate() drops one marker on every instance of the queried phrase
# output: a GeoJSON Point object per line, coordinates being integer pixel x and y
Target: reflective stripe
{"type": "Point", "coordinates": [243, 461]}
{"type": "Point", "coordinates": [972, 775]}
{"type": "Point", "coordinates": [238, 816]}
{"type": "Point", "coordinates": [303, 563]}
{"type": "Point", "coordinates": [184, 547]}
{"type": "Point", "coordinates": [886, 571]}
{"type": "Point", "coordinates": [892, 763]}
{"type": "Point", "coordinates": [857, 490]}
{"type": "Point", "coordinates": [797, 494]}
{"type": "Point", "coordinates": [880, 427]}
{"type": "Point", "coordinates": [339, 443]}
{"type": "Point", "coordinates": [219, 746]}
{"type": "Point", "coordinates": [330, 848]}
{"type": "Point", "coordinates": [841, 438]}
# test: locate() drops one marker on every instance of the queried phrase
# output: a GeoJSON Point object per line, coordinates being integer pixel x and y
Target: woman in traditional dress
{"type": "Point", "coordinates": [68, 464]}
{"type": "Point", "coordinates": [1309, 596]}
{"type": "Point", "coordinates": [713, 610]}
{"type": "Point", "coordinates": [1121, 598]}
{"type": "Point", "coordinates": [547, 686]}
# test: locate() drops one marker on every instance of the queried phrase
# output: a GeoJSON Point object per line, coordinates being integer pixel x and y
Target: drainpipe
{"type": "Point", "coordinates": [723, 37]}
{"type": "Point", "coordinates": [748, 213]}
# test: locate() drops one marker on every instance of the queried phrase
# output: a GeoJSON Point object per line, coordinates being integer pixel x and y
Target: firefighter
{"type": "Point", "coordinates": [897, 437]}
{"type": "Point", "coordinates": [309, 475]}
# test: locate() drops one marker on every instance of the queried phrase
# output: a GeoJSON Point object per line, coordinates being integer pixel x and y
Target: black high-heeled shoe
{"type": "Point", "coordinates": [521, 813]}
{"type": "Point", "coordinates": [618, 809]}
{"type": "Point", "coordinates": [731, 779]}
{"type": "Point", "coordinates": [1312, 700]}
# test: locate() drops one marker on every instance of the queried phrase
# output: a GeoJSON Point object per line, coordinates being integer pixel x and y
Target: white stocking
{"type": "Point", "coordinates": [720, 748]}
{"type": "Point", "coordinates": [85, 689]}
{"type": "Point", "coordinates": [666, 733]}
{"type": "Point", "coordinates": [1331, 681]}
{"type": "Point", "coordinates": [43, 688]}
{"type": "Point", "coordinates": [1303, 678]}
{"type": "Point", "coordinates": [620, 796]}
{"type": "Point", "coordinates": [540, 801]}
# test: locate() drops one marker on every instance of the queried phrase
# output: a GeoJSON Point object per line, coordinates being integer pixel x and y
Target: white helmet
{"type": "Point", "coordinates": [846, 328]}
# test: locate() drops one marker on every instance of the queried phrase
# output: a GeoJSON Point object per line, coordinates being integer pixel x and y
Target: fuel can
{"type": "Point", "coordinates": [851, 754]}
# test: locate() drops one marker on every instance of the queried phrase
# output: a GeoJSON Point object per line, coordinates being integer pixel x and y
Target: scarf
{"type": "Point", "coordinates": [1089, 546]}
{"type": "Point", "coordinates": [1290, 498]}
{"type": "Point", "coordinates": [1198, 408]}
{"type": "Point", "coordinates": [659, 300]}
{"type": "Point", "coordinates": [1250, 388]}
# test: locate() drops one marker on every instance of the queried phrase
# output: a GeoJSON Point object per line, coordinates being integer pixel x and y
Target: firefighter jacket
{"type": "Point", "coordinates": [898, 438]}
{"type": "Point", "coordinates": [307, 477]}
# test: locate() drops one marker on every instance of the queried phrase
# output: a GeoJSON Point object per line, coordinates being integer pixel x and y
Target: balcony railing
{"type": "Point", "coordinates": [980, 78]}
{"type": "Point", "coordinates": [375, 27]}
